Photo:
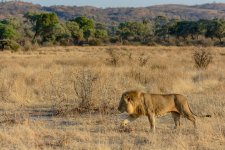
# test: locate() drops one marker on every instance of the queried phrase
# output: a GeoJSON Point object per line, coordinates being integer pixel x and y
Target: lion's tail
{"type": "Point", "coordinates": [202, 116]}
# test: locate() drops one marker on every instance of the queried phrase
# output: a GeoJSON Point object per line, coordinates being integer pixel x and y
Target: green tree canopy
{"type": "Point", "coordinates": [215, 29]}
{"type": "Point", "coordinates": [135, 31]}
{"type": "Point", "coordinates": [7, 32]}
{"type": "Point", "coordinates": [161, 27]}
{"type": "Point", "coordinates": [101, 34]}
{"type": "Point", "coordinates": [76, 32]}
{"type": "Point", "coordinates": [44, 25]}
{"type": "Point", "coordinates": [8, 35]}
{"type": "Point", "coordinates": [87, 25]}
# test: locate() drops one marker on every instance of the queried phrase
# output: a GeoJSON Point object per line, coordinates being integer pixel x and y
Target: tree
{"type": "Point", "coordinates": [87, 25]}
{"type": "Point", "coordinates": [161, 27]}
{"type": "Point", "coordinates": [133, 31]}
{"type": "Point", "coordinates": [31, 18]}
{"type": "Point", "coordinates": [100, 26]}
{"type": "Point", "coordinates": [62, 34]}
{"type": "Point", "coordinates": [124, 31]}
{"type": "Point", "coordinates": [195, 29]}
{"type": "Point", "coordinates": [181, 29]}
{"type": "Point", "coordinates": [101, 31]}
{"type": "Point", "coordinates": [101, 34]}
{"type": "Point", "coordinates": [8, 36]}
{"type": "Point", "coordinates": [76, 32]}
{"type": "Point", "coordinates": [172, 26]}
{"type": "Point", "coordinates": [215, 29]}
{"type": "Point", "coordinates": [7, 32]}
{"type": "Point", "coordinates": [44, 25]}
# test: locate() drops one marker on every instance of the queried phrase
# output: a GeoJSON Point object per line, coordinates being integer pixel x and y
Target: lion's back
{"type": "Point", "coordinates": [164, 103]}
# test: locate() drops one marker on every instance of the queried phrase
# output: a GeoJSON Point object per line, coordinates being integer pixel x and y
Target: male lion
{"type": "Point", "coordinates": [137, 103]}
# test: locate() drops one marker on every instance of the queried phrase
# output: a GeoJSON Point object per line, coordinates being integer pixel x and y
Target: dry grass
{"type": "Point", "coordinates": [66, 98]}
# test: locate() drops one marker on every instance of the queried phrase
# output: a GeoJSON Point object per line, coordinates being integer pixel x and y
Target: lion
{"type": "Point", "coordinates": [137, 103]}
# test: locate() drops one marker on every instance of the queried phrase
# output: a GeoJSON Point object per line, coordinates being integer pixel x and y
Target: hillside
{"type": "Point", "coordinates": [205, 11]}
{"type": "Point", "coordinates": [17, 8]}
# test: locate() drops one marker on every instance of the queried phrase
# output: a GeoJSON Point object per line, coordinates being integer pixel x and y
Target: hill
{"type": "Point", "coordinates": [196, 12]}
{"type": "Point", "coordinates": [8, 9]}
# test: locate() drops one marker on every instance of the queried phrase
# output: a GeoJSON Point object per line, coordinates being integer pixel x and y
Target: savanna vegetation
{"type": "Point", "coordinates": [67, 97]}
{"type": "Point", "coordinates": [45, 29]}
{"type": "Point", "coordinates": [61, 90]}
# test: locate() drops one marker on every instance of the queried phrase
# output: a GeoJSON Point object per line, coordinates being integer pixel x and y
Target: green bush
{"type": "Point", "coordinates": [14, 46]}
{"type": "Point", "coordinates": [9, 44]}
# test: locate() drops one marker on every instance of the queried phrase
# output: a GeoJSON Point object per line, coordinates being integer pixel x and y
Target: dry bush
{"type": "Point", "coordinates": [139, 75]}
{"type": "Point", "coordinates": [83, 87]}
{"type": "Point", "coordinates": [81, 84]}
{"type": "Point", "coordinates": [29, 46]}
{"type": "Point", "coordinates": [115, 57]}
{"type": "Point", "coordinates": [6, 90]}
{"type": "Point", "coordinates": [202, 59]}
{"type": "Point", "coordinates": [143, 60]}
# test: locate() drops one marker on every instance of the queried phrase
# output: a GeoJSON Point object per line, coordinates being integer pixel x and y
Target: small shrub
{"type": "Point", "coordinates": [126, 42]}
{"type": "Point", "coordinates": [14, 46]}
{"type": "Point", "coordinates": [114, 40]}
{"type": "Point", "coordinates": [143, 60]}
{"type": "Point", "coordinates": [27, 46]}
{"type": "Point", "coordinates": [83, 87]}
{"type": "Point", "coordinates": [47, 44]}
{"type": "Point", "coordinates": [114, 57]}
{"type": "Point", "coordinates": [10, 44]}
{"type": "Point", "coordinates": [139, 76]}
{"type": "Point", "coordinates": [202, 59]}
{"type": "Point", "coordinates": [95, 42]}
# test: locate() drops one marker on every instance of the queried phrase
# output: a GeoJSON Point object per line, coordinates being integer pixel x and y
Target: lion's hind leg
{"type": "Point", "coordinates": [192, 119]}
{"type": "Point", "coordinates": [176, 118]}
{"type": "Point", "coordinates": [189, 115]}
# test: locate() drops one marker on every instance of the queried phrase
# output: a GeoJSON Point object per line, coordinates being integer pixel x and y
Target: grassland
{"type": "Point", "coordinates": [66, 97]}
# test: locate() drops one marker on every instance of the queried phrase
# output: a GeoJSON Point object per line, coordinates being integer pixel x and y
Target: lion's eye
{"type": "Point", "coordinates": [128, 99]}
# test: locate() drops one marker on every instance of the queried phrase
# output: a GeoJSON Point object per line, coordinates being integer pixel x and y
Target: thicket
{"type": "Point", "coordinates": [45, 29]}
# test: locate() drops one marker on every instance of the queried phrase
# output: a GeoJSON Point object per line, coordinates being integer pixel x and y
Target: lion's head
{"type": "Point", "coordinates": [132, 103]}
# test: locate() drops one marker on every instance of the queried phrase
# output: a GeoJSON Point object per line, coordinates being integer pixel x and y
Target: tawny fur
{"type": "Point", "coordinates": [137, 103]}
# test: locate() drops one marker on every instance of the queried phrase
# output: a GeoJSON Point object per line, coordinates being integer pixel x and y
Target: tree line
{"type": "Point", "coordinates": [45, 29]}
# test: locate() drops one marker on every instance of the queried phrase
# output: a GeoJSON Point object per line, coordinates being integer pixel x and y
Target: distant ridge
{"type": "Point", "coordinates": [109, 15]}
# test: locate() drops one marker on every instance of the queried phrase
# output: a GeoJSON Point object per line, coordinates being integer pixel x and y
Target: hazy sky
{"type": "Point", "coordinates": [121, 3]}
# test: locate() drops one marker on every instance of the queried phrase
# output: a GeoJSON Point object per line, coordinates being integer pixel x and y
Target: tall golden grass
{"type": "Point", "coordinates": [84, 84]}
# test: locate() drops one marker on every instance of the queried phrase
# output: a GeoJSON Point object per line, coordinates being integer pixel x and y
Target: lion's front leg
{"type": "Point", "coordinates": [151, 118]}
{"type": "Point", "coordinates": [128, 120]}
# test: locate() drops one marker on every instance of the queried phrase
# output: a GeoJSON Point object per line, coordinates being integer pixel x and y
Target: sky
{"type": "Point", "coordinates": [119, 3]}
